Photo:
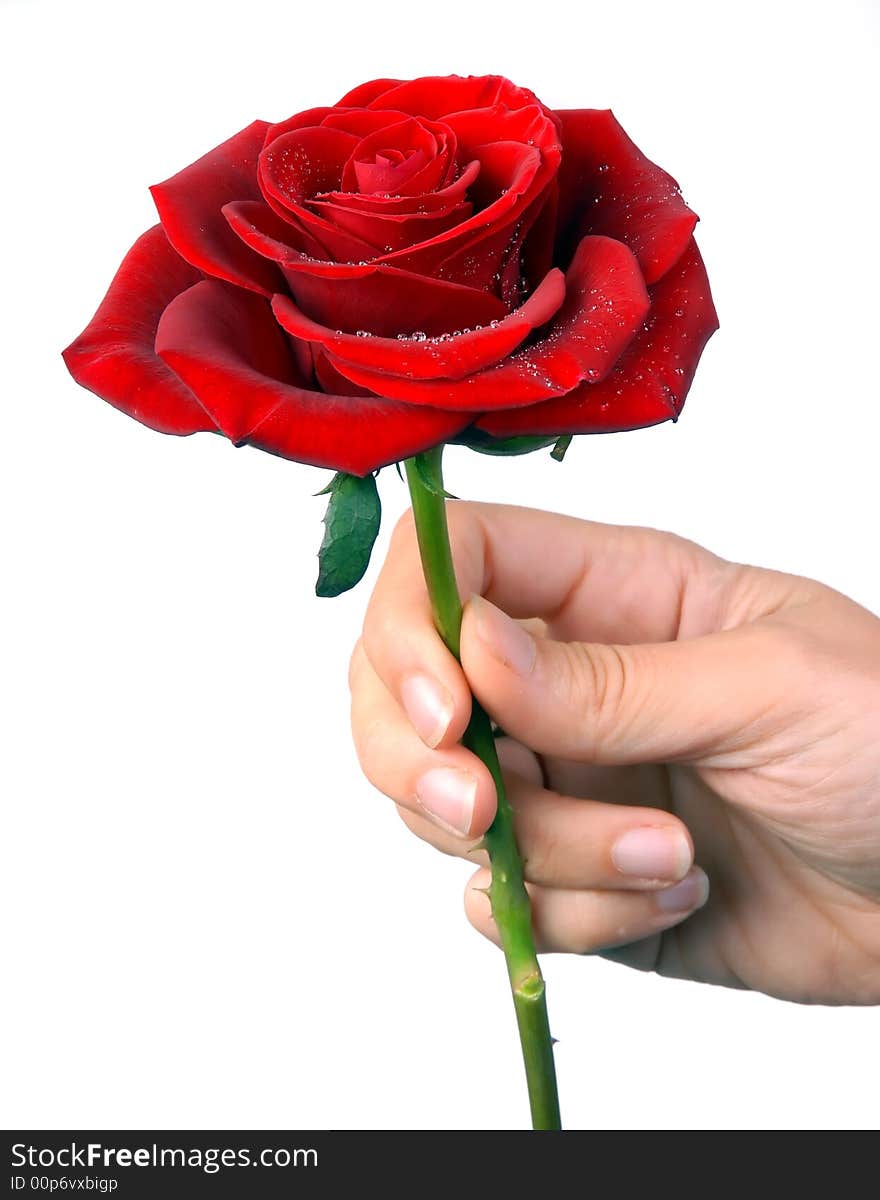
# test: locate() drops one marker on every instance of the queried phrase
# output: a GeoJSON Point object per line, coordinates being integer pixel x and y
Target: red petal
{"type": "Point", "coordinates": [606, 302]}
{"type": "Point", "coordinates": [474, 252]}
{"type": "Point", "coordinates": [226, 345]}
{"type": "Point", "coordinates": [368, 295]}
{"type": "Point", "coordinates": [442, 200]}
{"type": "Point", "coordinates": [436, 96]}
{"type": "Point", "coordinates": [382, 298]}
{"type": "Point", "coordinates": [415, 139]}
{"type": "Point", "coordinates": [364, 93]}
{"type": "Point", "coordinates": [329, 378]}
{"type": "Point", "coordinates": [386, 175]}
{"type": "Point", "coordinates": [495, 260]}
{"type": "Point", "coordinates": [513, 177]}
{"type": "Point", "coordinates": [436, 173]}
{"type": "Point", "coordinates": [449, 356]}
{"type": "Point", "coordinates": [256, 223]}
{"type": "Point", "coordinates": [607, 186]}
{"type": "Point", "coordinates": [507, 171]}
{"type": "Point", "coordinates": [529, 125]}
{"type": "Point", "coordinates": [115, 357]}
{"type": "Point", "coordinates": [311, 116]}
{"type": "Point", "coordinates": [395, 231]}
{"type": "Point", "coordinates": [294, 167]}
{"type": "Point", "coordinates": [654, 374]}
{"type": "Point", "coordinates": [361, 121]}
{"type": "Point", "coordinates": [189, 205]}
{"type": "Point", "coordinates": [540, 236]}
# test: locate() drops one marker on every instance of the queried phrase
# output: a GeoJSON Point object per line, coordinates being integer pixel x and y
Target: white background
{"type": "Point", "coordinates": [210, 919]}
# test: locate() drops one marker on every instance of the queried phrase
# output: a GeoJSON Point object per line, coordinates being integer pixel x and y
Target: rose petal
{"type": "Point", "coordinates": [387, 174]}
{"type": "Point", "coordinates": [479, 128]}
{"type": "Point", "coordinates": [511, 175]}
{"type": "Point", "coordinates": [329, 378]}
{"type": "Point", "coordinates": [442, 200]}
{"type": "Point", "coordinates": [255, 223]}
{"type": "Point", "coordinates": [225, 344]}
{"type": "Point", "coordinates": [437, 172]}
{"type": "Point", "coordinates": [539, 237]}
{"type": "Point", "coordinates": [475, 251]}
{"type": "Point", "coordinates": [436, 96]}
{"type": "Point", "coordinates": [608, 186]}
{"type": "Point", "coordinates": [364, 93]}
{"type": "Point", "coordinates": [368, 295]}
{"type": "Point", "coordinates": [374, 297]}
{"type": "Point", "coordinates": [496, 260]}
{"type": "Point", "coordinates": [482, 249]}
{"type": "Point", "coordinates": [654, 374]}
{"type": "Point", "coordinates": [430, 358]}
{"type": "Point", "coordinates": [361, 121]}
{"type": "Point", "coordinates": [415, 139]}
{"type": "Point", "coordinates": [606, 302]}
{"type": "Point", "coordinates": [301, 120]}
{"type": "Point", "coordinates": [294, 167]}
{"type": "Point", "coordinates": [395, 231]}
{"type": "Point", "coordinates": [114, 356]}
{"type": "Point", "coordinates": [189, 205]}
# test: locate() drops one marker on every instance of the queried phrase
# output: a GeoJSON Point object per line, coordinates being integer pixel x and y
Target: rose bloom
{"type": "Point", "coordinates": [425, 261]}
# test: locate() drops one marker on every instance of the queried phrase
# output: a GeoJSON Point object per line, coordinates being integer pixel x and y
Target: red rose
{"type": "Point", "coordinates": [362, 282]}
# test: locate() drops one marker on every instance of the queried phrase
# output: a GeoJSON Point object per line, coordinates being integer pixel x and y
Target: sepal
{"type": "Point", "coordinates": [351, 525]}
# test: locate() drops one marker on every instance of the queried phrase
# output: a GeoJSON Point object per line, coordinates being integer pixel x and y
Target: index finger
{"type": "Point", "coordinates": [588, 581]}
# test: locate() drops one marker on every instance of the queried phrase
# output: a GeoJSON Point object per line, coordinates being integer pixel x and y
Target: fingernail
{"type": "Point", "coordinates": [429, 707]}
{"type": "Point", "coordinates": [504, 637]}
{"type": "Point", "coordinates": [690, 894]}
{"type": "Point", "coordinates": [447, 795]}
{"type": "Point", "coordinates": [652, 853]}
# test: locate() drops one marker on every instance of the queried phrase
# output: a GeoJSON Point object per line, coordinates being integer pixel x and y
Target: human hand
{"type": "Point", "coordinates": [662, 705]}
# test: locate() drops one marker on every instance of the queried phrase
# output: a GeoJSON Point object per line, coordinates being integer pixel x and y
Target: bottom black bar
{"type": "Point", "coordinates": [252, 1164]}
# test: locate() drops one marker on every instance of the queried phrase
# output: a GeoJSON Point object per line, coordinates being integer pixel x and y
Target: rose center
{"type": "Point", "coordinates": [387, 170]}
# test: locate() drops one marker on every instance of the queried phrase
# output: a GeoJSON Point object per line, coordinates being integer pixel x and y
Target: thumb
{"type": "Point", "coordinates": [706, 699]}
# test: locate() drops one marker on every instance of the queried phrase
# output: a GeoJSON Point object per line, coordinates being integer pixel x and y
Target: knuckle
{"type": "Point", "coordinates": [370, 744]}
{"type": "Point", "coordinates": [595, 681]}
{"type": "Point", "coordinates": [355, 664]}
{"type": "Point", "coordinates": [542, 858]}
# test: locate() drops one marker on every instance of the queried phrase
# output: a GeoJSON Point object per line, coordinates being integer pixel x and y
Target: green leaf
{"type": "Point", "coordinates": [475, 439]}
{"type": "Point", "coordinates": [558, 451]}
{"type": "Point", "coordinates": [351, 525]}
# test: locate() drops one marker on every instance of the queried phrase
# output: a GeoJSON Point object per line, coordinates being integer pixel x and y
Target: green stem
{"type": "Point", "coordinates": [507, 894]}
